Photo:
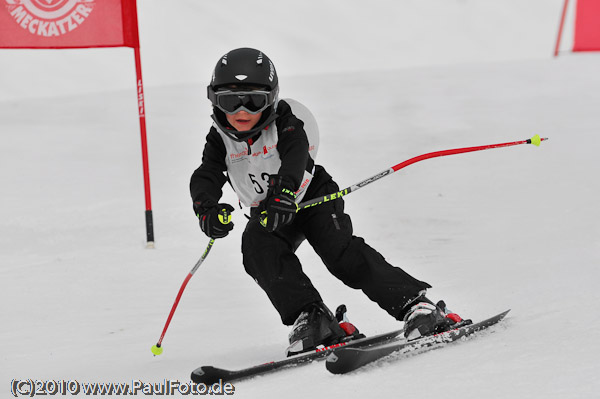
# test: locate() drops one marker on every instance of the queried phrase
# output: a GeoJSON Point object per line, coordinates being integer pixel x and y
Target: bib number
{"type": "Point", "coordinates": [257, 184]}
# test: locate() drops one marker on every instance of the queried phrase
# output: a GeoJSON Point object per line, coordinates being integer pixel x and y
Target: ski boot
{"type": "Point", "coordinates": [424, 318]}
{"type": "Point", "coordinates": [317, 326]}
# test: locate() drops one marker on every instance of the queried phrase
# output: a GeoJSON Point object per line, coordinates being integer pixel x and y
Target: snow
{"type": "Point", "coordinates": [82, 299]}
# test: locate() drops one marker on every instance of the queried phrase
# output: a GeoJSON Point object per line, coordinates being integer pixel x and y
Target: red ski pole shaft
{"type": "Point", "coordinates": [535, 140]}
{"type": "Point", "coordinates": [156, 349]}
{"type": "Point", "coordinates": [225, 218]}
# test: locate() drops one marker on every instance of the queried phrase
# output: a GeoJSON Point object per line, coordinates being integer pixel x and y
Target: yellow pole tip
{"type": "Point", "coordinates": [536, 140]}
{"type": "Point", "coordinates": [156, 350]}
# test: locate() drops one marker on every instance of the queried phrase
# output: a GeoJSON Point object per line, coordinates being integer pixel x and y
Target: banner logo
{"type": "Point", "coordinates": [49, 18]}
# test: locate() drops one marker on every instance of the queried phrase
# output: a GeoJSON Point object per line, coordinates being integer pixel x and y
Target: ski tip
{"type": "Point", "coordinates": [208, 375]}
{"type": "Point", "coordinates": [199, 374]}
{"type": "Point", "coordinates": [343, 361]}
{"type": "Point", "coordinates": [156, 350]}
{"type": "Point", "coordinates": [502, 315]}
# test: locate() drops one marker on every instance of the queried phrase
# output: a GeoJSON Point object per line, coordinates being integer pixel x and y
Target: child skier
{"type": "Point", "coordinates": [261, 147]}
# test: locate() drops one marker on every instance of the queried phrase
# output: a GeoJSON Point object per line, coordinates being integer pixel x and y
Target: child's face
{"type": "Point", "coordinates": [243, 121]}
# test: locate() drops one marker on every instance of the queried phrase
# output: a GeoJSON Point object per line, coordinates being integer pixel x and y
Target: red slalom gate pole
{"type": "Point", "coordinates": [535, 140]}
{"type": "Point", "coordinates": [145, 162]}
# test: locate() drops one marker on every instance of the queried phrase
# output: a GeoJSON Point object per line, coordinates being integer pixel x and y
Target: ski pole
{"type": "Point", "coordinates": [535, 140]}
{"type": "Point", "coordinates": [157, 349]}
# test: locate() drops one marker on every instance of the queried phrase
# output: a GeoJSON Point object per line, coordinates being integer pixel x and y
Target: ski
{"type": "Point", "coordinates": [345, 360]}
{"type": "Point", "coordinates": [210, 375]}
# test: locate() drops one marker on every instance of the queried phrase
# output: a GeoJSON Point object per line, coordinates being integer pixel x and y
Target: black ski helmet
{"type": "Point", "coordinates": [244, 67]}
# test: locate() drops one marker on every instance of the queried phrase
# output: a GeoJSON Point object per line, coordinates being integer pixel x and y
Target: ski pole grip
{"type": "Point", "coordinates": [224, 216]}
{"type": "Point", "coordinates": [263, 218]}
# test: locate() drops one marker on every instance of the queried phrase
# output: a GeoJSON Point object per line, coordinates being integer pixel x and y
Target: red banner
{"type": "Point", "coordinates": [68, 23]}
{"type": "Point", "coordinates": [587, 26]}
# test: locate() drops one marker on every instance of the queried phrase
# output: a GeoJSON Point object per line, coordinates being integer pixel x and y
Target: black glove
{"type": "Point", "coordinates": [215, 219]}
{"type": "Point", "coordinates": [280, 206]}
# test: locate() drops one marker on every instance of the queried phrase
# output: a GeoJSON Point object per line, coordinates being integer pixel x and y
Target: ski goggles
{"type": "Point", "coordinates": [231, 102]}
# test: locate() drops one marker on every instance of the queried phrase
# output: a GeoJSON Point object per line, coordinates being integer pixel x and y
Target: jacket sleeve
{"type": "Point", "coordinates": [292, 145]}
{"type": "Point", "coordinates": [210, 177]}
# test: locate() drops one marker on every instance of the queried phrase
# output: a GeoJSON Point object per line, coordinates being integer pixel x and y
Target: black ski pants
{"type": "Point", "coordinates": [270, 258]}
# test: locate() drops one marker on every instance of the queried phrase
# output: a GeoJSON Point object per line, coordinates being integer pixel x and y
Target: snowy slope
{"type": "Point", "coordinates": [506, 228]}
